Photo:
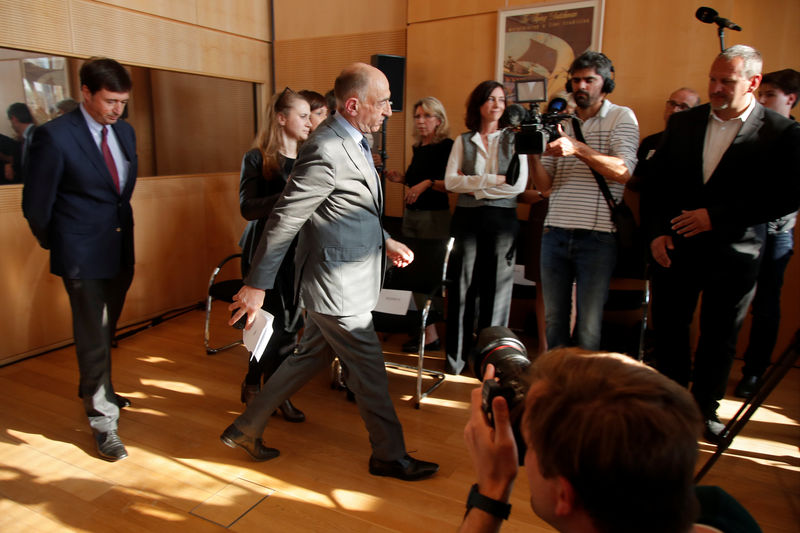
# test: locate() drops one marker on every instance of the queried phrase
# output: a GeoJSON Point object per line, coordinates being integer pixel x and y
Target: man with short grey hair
{"type": "Point", "coordinates": [722, 171]}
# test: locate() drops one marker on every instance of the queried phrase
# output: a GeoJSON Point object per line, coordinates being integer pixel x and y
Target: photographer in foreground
{"type": "Point", "coordinates": [611, 446]}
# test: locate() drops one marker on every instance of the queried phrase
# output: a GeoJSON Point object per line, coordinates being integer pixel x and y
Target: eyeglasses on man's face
{"type": "Point", "coordinates": [680, 105]}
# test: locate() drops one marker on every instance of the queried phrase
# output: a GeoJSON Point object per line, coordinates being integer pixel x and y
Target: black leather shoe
{"type": "Point", "coordinates": [412, 346]}
{"type": "Point", "coordinates": [254, 447]}
{"type": "Point", "coordinates": [713, 430]}
{"type": "Point", "coordinates": [290, 412]}
{"type": "Point", "coordinates": [747, 387]}
{"type": "Point", "coordinates": [122, 401]}
{"type": "Point", "coordinates": [109, 447]}
{"type": "Point", "coordinates": [407, 468]}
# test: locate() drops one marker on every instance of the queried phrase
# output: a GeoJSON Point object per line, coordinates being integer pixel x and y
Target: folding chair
{"type": "Point", "coordinates": [426, 275]}
{"type": "Point", "coordinates": [224, 291]}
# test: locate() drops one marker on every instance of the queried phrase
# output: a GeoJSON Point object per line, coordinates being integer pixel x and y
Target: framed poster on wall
{"type": "Point", "coordinates": [540, 42]}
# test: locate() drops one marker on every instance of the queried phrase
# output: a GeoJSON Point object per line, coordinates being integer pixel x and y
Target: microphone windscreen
{"type": "Point", "coordinates": [706, 14]}
{"type": "Point", "coordinates": [513, 116]}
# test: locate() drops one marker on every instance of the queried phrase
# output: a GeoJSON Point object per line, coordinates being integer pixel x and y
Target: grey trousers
{"type": "Point", "coordinates": [354, 340]}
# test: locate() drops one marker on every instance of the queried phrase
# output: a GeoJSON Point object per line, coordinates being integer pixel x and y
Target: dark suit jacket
{"type": "Point", "coordinates": [71, 202]}
{"type": "Point", "coordinates": [755, 181]}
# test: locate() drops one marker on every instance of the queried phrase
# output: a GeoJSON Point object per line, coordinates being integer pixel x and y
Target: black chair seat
{"type": "Point", "coordinates": [225, 290]}
{"type": "Point", "coordinates": [426, 277]}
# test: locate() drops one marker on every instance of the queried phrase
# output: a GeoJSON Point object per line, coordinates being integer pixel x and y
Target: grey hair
{"type": "Point", "coordinates": [750, 56]}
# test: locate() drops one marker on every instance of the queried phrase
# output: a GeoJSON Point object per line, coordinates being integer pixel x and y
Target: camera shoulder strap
{"type": "Point", "coordinates": [601, 181]}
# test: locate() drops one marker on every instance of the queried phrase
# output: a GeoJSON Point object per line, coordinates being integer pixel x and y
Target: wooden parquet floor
{"type": "Point", "coordinates": [179, 477]}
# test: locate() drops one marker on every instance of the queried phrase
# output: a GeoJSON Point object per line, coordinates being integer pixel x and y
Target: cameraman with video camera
{"type": "Point", "coordinates": [578, 244]}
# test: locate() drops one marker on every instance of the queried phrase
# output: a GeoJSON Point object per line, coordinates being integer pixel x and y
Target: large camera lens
{"type": "Point", "coordinates": [499, 347]}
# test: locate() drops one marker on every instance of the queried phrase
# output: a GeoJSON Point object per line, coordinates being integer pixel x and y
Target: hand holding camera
{"type": "Point", "coordinates": [491, 446]}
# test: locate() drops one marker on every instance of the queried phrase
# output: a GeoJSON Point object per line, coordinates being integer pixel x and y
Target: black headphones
{"type": "Point", "coordinates": [600, 63]}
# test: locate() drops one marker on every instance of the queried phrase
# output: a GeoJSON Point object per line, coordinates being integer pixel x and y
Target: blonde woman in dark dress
{"type": "Point", "coordinates": [427, 212]}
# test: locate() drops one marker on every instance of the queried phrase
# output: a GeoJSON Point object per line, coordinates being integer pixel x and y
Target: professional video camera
{"type": "Point", "coordinates": [498, 346]}
{"type": "Point", "coordinates": [537, 129]}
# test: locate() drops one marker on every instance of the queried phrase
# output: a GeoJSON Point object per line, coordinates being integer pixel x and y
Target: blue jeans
{"type": "Point", "coordinates": [767, 303]}
{"type": "Point", "coordinates": [587, 258]}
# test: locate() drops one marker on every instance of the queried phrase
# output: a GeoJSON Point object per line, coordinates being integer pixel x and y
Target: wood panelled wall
{"type": "Point", "coordinates": [311, 51]}
{"type": "Point", "coordinates": [184, 224]}
{"type": "Point", "coordinates": [227, 39]}
{"type": "Point", "coordinates": [330, 54]}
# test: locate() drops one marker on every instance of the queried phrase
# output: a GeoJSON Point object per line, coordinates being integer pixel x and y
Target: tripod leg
{"type": "Point", "coordinates": [770, 380]}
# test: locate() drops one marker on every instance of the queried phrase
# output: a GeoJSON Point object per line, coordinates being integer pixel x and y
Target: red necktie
{"type": "Point", "coordinates": [112, 167]}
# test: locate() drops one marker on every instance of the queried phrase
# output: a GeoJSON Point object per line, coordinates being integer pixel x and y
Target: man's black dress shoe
{"type": "Point", "coordinates": [407, 468]}
{"type": "Point", "coordinates": [233, 437]}
{"type": "Point", "coordinates": [109, 447]}
{"type": "Point", "coordinates": [412, 346]}
{"type": "Point", "coordinates": [713, 429]}
{"type": "Point", "coordinates": [290, 412]}
{"type": "Point", "coordinates": [122, 401]}
{"type": "Point", "coordinates": [747, 387]}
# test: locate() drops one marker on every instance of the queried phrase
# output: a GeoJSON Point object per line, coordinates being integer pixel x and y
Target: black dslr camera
{"type": "Point", "coordinates": [537, 129]}
{"type": "Point", "coordinates": [498, 346]}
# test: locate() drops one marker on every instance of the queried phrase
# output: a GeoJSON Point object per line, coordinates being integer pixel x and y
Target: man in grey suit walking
{"type": "Point", "coordinates": [333, 203]}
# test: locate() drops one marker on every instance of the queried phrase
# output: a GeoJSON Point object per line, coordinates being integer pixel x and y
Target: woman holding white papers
{"type": "Point", "coordinates": [265, 171]}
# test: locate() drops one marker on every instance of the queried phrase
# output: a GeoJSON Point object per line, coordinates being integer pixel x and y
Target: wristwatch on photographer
{"type": "Point", "coordinates": [484, 503]}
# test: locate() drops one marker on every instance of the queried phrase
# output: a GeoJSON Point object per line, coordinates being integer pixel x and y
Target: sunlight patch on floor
{"type": "Point", "coordinates": [355, 501]}
{"type": "Point", "coordinates": [441, 402]}
{"type": "Point", "coordinates": [232, 502]}
{"type": "Point", "coordinates": [155, 359]}
{"type": "Point", "coordinates": [175, 386]}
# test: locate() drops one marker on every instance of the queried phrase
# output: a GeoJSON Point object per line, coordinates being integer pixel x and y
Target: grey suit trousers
{"type": "Point", "coordinates": [354, 340]}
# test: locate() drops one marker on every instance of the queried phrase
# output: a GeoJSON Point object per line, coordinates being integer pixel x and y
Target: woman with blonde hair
{"type": "Point", "coordinates": [265, 171]}
{"type": "Point", "coordinates": [427, 212]}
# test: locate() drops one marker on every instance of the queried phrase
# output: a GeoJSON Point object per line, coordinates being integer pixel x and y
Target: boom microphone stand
{"type": "Point", "coordinates": [710, 16]}
{"type": "Point", "coordinates": [382, 151]}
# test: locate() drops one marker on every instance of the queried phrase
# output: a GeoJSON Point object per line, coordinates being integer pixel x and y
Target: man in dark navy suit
{"type": "Point", "coordinates": [722, 171]}
{"type": "Point", "coordinates": [81, 174]}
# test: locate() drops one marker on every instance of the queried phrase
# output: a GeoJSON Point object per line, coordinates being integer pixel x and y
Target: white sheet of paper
{"type": "Point", "coordinates": [257, 337]}
{"type": "Point", "coordinates": [519, 276]}
{"type": "Point", "coordinates": [393, 301]}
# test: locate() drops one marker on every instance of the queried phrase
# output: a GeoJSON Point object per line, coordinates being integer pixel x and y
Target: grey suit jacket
{"type": "Point", "coordinates": [333, 200]}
